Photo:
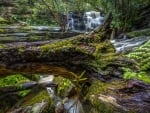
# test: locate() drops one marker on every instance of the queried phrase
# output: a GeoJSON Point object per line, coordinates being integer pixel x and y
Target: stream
{"type": "Point", "coordinates": [126, 45]}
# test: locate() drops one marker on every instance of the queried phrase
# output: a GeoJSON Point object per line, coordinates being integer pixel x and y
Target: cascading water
{"type": "Point", "coordinates": [70, 22]}
{"type": "Point", "coordinates": [92, 19]}
{"type": "Point", "coordinates": [86, 22]}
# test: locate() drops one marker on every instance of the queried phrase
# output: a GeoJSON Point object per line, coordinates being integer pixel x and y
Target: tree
{"type": "Point", "coordinates": [126, 13]}
{"type": "Point", "coordinates": [57, 9]}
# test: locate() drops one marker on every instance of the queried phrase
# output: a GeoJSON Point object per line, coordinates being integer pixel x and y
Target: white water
{"type": "Point", "coordinates": [92, 19]}
{"type": "Point", "coordinates": [128, 44]}
{"type": "Point", "coordinates": [87, 22]}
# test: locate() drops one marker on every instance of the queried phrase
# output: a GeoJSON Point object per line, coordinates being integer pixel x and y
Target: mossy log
{"type": "Point", "coordinates": [91, 52]}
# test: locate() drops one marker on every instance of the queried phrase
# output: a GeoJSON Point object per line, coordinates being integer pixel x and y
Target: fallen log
{"type": "Point", "coordinates": [91, 52]}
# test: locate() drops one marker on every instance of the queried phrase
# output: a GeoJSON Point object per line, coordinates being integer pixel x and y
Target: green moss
{"type": "Point", "coordinates": [103, 49]}
{"type": "Point", "coordinates": [85, 49]}
{"type": "Point", "coordinates": [1, 31]}
{"type": "Point", "coordinates": [104, 54]}
{"type": "Point", "coordinates": [103, 88]}
{"type": "Point", "coordinates": [145, 32]}
{"type": "Point", "coordinates": [57, 46]}
{"type": "Point", "coordinates": [13, 80]}
{"type": "Point", "coordinates": [63, 85]}
{"type": "Point", "coordinates": [38, 98]}
{"type": "Point", "coordinates": [98, 87]}
{"type": "Point", "coordinates": [21, 49]}
{"type": "Point", "coordinates": [3, 21]}
{"type": "Point", "coordinates": [2, 46]}
{"type": "Point", "coordinates": [100, 107]}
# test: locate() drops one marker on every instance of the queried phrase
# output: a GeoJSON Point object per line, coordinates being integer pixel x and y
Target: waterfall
{"type": "Point", "coordinates": [70, 22]}
{"type": "Point", "coordinates": [92, 19]}
{"type": "Point", "coordinates": [87, 22]}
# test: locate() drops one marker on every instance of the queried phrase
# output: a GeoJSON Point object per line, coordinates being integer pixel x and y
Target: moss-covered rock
{"type": "Point", "coordinates": [101, 99]}
{"type": "Point", "coordinates": [115, 97]}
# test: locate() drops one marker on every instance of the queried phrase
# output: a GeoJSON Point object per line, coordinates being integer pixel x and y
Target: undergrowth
{"type": "Point", "coordinates": [142, 56]}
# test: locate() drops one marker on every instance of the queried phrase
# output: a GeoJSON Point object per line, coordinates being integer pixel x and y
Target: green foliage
{"type": "Point", "coordinates": [13, 80]}
{"type": "Point", "coordinates": [143, 76]}
{"type": "Point", "coordinates": [36, 14]}
{"type": "Point", "coordinates": [63, 85]}
{"type": "Point", "coordinates": [125, 12]}
{"type": "Point", "coordinates": [142, 56]}
{"type": "Point", "coordinates": [78, 80]}
{"type": "Point", "coordinates": [47, 12]}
